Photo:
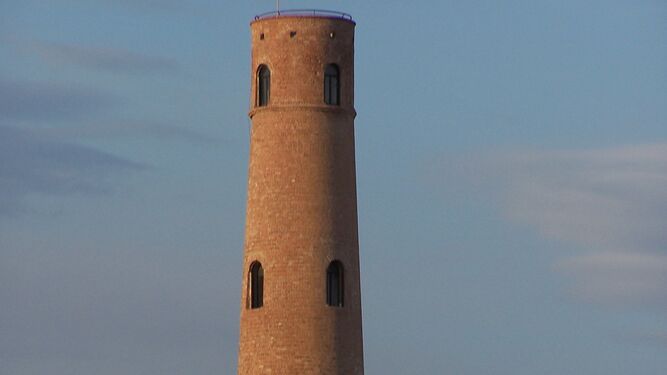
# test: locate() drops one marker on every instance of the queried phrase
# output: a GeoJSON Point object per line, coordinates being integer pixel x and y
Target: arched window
{"type": "Point", "coordinates": [332, 85]}
{"type": "Point", "coordinates": [335, 285]}
{"type": "Point", "coordinates": [256, 281]}
{"type": "Point", "coordinates": [263, 85]}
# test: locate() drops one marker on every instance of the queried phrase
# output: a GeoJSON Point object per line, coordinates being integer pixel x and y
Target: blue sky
{"type": "Point", "coordinates": [511, 162]}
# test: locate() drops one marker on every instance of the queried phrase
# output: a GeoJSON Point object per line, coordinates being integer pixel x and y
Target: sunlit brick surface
{"type": "Point", "coordinates": [302, 209]}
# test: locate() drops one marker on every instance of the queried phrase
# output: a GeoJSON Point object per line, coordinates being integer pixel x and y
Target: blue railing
{"type": "Point", "coordinates": [304, 13]}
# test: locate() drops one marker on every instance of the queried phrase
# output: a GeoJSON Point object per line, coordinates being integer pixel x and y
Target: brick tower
{"type": "Point", "coordinates": [301, 302]}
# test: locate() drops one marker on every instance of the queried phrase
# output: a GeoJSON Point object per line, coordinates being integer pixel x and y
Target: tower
{"type": "Point", "coordinates": [301, 302]}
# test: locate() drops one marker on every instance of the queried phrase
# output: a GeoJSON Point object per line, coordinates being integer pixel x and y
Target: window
{"type": "Point", "coordinates": [335, 285]}
{"type": "Point", "coordinates": [332, 85]}
{"type": "Point", "coordinates": [263, 85]}
{"type": "Point", "coordinates": [256, 276]}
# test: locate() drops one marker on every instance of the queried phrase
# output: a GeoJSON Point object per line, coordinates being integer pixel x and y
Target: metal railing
{"type": "Point", "coordinates": [304, 13]}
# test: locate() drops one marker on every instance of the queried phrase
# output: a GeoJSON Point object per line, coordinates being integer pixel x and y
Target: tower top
{"type": "Point", "coordinates": [295, 47]}
{"type": "Point", "coordinates": [318, 13]}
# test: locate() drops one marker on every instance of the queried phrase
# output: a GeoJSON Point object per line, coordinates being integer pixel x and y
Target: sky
{"type": "Point", "coordinates": [511, 170]}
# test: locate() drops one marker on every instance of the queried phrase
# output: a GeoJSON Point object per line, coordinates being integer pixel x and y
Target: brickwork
{"type": "Point", "coordinates": [302, 208]}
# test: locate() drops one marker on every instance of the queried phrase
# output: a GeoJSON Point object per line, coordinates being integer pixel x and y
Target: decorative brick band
{"type": "Point", "coordinates": [303, 107]}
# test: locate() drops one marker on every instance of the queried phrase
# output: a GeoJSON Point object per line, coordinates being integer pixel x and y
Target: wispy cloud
{"type": "Point", "coordinates": [100, 58]}
{"type": "Point", "coordinates": [33, 164]}
{"type": "Point", "coordinates": [42, 101]}
{"type": "Point", "coordinates": [611, 204]}
{"type": "Point", "coordinates": [133, 129]}
{"type": "Point", "coordinates": [610, 200]}
{"type": "Point", "coordinates": [152, 5]}
{"type": "Point", "coordinates": [620, 278]}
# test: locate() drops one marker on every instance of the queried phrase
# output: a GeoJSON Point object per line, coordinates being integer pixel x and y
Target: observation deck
{"type": "Point", "coordinates": [321, 13]}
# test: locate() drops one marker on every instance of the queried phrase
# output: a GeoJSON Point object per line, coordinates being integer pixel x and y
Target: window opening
{"type": "Point", "coordinates": [256, 285]}
{"type": "Point", "coordinates": [263, 85]}
{"type": "Point", "coordinates": [332, 85]}
{"type": "Point", "coordinates": [335, 284]}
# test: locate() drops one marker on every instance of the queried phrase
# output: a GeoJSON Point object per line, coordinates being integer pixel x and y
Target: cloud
{"type": "Point", "coordinates": [629, 278]}
{"type": "Point", "coordinates": [151, 5]}
{"type": "Point", "coordinates": [33, 164]}
{"type": "Point", "coordinates": [609, 204]}
{"type": "Point", "coordinates": [610, 200]}
{"type": "Point", "coordinates": [103, 59]}
{"type": "Point", "coordinates": [40, 101]}
{"type": "Point", "coordinates": [133, 129]}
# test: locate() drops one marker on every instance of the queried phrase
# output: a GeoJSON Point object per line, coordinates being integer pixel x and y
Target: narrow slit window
{"type": "Point", "coordinates": [256, 289]}
{"type": "Point", "coordinates": [335, 284]}
{"type": "Point", "coordinates": [332, 85]}
{"type": "Point", "coordinates": [263, 85]}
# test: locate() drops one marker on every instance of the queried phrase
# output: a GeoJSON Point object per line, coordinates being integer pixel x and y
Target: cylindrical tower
{"type": "Point", "coordinates": [301, 302]}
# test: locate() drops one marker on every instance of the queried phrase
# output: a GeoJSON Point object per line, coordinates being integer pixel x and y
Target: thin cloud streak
{"type": "Point", "coordinates": [132, 129]}
{"type": "Point", "coordinates": [610, 200]}
{"type": "Point", "coordinates": [42, 101]}
{"type": "Point", "coordinates": [151, 5]}
{"type": "Point", "coordinates": [611, 204]}
{"type": "Point", "coordinates": [102, 59]}
{"type": "Point", "coordinates": [619, 278]}
{"type": "Point", "coordinates": [34, 164]}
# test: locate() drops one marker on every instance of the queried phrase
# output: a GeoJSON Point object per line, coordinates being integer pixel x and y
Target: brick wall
{"type": "Point", "coordinates": [302, 209]}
